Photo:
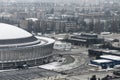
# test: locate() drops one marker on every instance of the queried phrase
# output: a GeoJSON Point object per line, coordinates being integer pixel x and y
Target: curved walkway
{"type": "Point", "coordinates": [57, 66]}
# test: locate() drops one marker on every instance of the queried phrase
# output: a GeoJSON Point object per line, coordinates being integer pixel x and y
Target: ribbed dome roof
{"type": "Point", "coordinates": [12, 32]}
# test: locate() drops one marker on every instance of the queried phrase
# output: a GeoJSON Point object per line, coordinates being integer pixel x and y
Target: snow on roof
{"type": "Point", "coordinates": [111, 57]}
{"type": "Point", "coordinates": [109, 39]}
{"type": "Point", "coordinates": [4, 14]}
{"type": "Point", "coordinates": [105, 33]}
{"type": "Point", "coordinates": [49, 40]}
{"type": "Point", "coordinates": [107, 51]}
{"type": "Point", "coordinates": [60, 38]}
{"type": "Point", "coordinates": [114, 51]}
{"type": "Point", "coordinates": [33, 19]}
{"type": "Point", "coordinates": [60, 42]}
{"type": "Point", "coordinates": [102, 61]}
{"type": "Point", "coordinates": [12, 32]}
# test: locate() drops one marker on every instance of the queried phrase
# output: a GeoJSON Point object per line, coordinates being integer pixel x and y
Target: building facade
{"type": "Point", "coordinates": [20, 47]}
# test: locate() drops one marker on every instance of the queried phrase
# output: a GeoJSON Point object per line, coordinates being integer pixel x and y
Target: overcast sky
{"type": "Point", "coordinates": [80, 1]}
{"type": "Point", "coordinates": [65, 1]}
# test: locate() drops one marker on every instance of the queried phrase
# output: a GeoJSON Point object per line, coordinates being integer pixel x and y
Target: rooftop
{"type": "Point", "coordinates": [12, 32]}
{"type": "Point", "coordinates": [33, 19]}
{"type": "Point", "coordinates": [102, 61]}
{"type": "Point", "coordinates": [111, 57]}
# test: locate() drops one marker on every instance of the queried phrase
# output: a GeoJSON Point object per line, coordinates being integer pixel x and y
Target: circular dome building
{"type": "Point", "coordinates": [19, 47]}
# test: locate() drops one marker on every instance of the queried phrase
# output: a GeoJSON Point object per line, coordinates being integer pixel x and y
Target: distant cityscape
{"type": "Point", "coordinates": [63, 17]}
{"type": "Point", "coordinates": [59, 40]}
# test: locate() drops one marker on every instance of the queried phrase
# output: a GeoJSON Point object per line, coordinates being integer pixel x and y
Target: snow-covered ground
{"type": "Point", "coordinates": [51, 66]}
{"type": "Point", "coordinates": [58, 66]}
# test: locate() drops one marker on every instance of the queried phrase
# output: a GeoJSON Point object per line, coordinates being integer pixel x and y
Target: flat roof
{"type": "Point", "coordinates": [102, 61]}
{"type": "Point", "coordinates": [82, 40]}
{"type": "Point", "coordinates": [107, 51]}
{"type": "Point", "coordinates": [111, 57]}
{"type": "Point", "coordinates": [49, 40]}
{"type": "Point", "coordinates": [33, 19]}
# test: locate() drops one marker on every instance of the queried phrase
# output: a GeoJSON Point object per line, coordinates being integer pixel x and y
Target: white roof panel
{"type": "Point", "coordinates": [111, 57]}
{"type": "Point", "coordinates": [12, 32]}
{"type": "Point", "coordinates": [49, 40]}
{"type": "Point", "coordinates": [102, 61]}
{"type": "Point", "coordinates": [33, 19]}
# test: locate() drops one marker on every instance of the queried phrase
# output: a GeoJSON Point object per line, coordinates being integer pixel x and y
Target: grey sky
{"type": "Point", "coordinates": [65, 1]}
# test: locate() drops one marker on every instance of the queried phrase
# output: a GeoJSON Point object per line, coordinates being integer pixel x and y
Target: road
{"type": "Point", "coordinates": [82, 72]}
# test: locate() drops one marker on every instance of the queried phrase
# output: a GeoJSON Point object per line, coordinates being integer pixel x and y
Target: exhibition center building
{"type": "Point", "coordinates": [19, 47]}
